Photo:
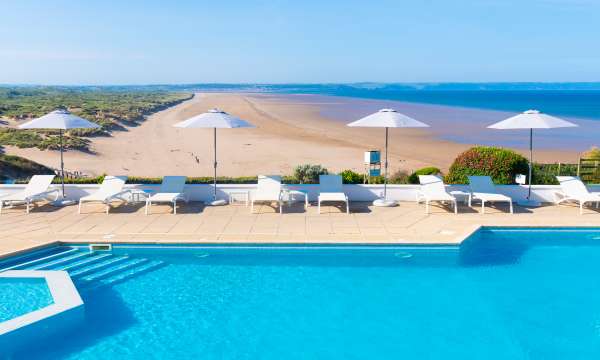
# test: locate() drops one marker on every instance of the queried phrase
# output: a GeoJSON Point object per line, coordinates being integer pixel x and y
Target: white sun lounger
{"type": "Point", "coordinates": [433, 189]}
{"type": "Point", "coordinates": [331, 190]}
{"type": "Point", "coordinates": [573, 189]}
{"type": "Point", "coordinates": [484, 190]}
{"type": "Point", "coordinates": [268, 190]}
{"type": "Point", "coordinates": [36, 190]}
{"type": "Point", "coordinates": [110, 190]}
{"type": "Point", "coordinates": [170, 191]}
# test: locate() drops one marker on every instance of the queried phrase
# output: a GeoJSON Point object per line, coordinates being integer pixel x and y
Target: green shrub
{"type": "Point", "coordinates": [399, 177]}
{"type": "Point", "coordinates": [16, 167]}
{"type": "Point", "coordinates": [309, 174]}
{"type": "Point", "coordinates": [501, 165]}
{"type": "Point", "coordinates": [351, 177]}
{"type": "Point", "coordinates": [545, 174]}
{"type": "Point", "coordinates": [430, 170]}
{"type": "Point", "coordinates": [593, 153]}
{"type": "Point", "coordinates": [376, 180]}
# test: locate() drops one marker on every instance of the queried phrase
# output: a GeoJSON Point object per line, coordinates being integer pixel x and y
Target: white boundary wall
{"type": "Point", "coordinates": [203, 192]}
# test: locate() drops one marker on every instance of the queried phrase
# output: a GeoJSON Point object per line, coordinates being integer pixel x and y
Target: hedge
{"type": "Point", "coordinates": [502, 165]}
{"type": "Point", "coordinates": [430, 170]}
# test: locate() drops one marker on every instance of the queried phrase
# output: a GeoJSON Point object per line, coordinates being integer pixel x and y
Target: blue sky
{"type": "Point", "coordinates": [143, 42]}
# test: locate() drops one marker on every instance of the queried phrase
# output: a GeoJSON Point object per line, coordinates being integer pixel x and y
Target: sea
{"type": "Point", "coordinates": [575, 100]}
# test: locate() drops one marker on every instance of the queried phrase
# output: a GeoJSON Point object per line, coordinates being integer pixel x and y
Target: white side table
{"type": "Point", "coordinates": [244, 193]}
{"type": "Point", "coordinates": [466, 196]}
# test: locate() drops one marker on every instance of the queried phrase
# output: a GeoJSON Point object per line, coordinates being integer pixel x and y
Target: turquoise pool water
{"type": "Point", "coordinates": [501, 295]}
{"type": "Point", "coordinates": [19, 296]}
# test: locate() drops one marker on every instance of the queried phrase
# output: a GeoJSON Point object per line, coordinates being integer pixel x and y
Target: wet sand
{"type": "Point", "coordinates": [290, 130]}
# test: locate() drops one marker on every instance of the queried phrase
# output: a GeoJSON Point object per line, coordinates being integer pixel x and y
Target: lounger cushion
{"type": "Point", "coordinates": [332, 197]}
{"type": "Point", "coordinates": [165, 197]}
{"type": "Point", "coordinates": [491, 197]}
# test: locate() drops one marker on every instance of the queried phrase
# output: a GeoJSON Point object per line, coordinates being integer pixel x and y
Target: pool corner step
{"type": "Point", "coordinates": [127, 274]}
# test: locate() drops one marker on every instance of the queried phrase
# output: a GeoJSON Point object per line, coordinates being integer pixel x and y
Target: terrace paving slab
{"type": "Point", "coordinates": [195, 223]}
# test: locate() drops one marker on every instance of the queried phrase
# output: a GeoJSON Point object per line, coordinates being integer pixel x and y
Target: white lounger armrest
{"type": "Point", "coordinates": [420, 196]}
{"type": "Point", "coordinates": [47, 193]}
{"type": "Point", "coordinates": [559, 196]}
{"type": "Point", "coordinates": [120, 195]}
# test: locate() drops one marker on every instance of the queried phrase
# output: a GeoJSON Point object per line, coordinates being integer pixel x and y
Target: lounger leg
{"type": "Point", "coordinates": [107, 208]}
{"type": "Point", "coordinates": [347, 207]}
{"type": "Point", "coordinates": [147, 205]}
{"type": "Point", "coordinates": [455, 207]}
{"type": "Point", "coordinates": [318, 206]}
{"type": "Point", "coordinates": [426, 206]}
{"type": "Point", "coordinates": [511, 207]}
{"type": "Point", "coordinates": [174, 207]}
{"type": "Point", "coordinates": [482, 207]}
{"type": "Point", "coordinates": [280, 207]}
{"type": "Point", "coordinates": [28, 207]}
{"type": "Point", "coordinates": [1, 204]}
{"type": "Point", "coordinates": [581, 208]}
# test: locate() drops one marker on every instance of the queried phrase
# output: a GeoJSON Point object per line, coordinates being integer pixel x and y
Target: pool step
{"type": "Point", "coordinates": [85, 271]}
{"type": "Point", "coordinates": [92, 258]}
{"type": "Point", "coordinates": [125, 275]}
{"type": "Point", "coordinates": [89, 270]}
{"type": "Point", "coordinates": [112, 270]}
{"type": "Point", "coordinates": [40, 260]}
{"type": "Point", "coordinates": [59, 261]}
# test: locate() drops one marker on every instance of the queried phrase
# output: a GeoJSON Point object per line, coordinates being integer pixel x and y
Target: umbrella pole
{"type": "Point", "coordinates": [215, 165]}
{"type": "Point", "coordinates": [530, 161]}
{"type": "Point", "coordinates": [62, 164]}
{"type": "Point", "coordinates": [385, 173]}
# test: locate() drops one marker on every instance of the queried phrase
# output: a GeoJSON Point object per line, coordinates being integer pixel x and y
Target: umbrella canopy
{"type": "Point", "coordinates": [532, 119]}
{"type": "Point", "coordinates": [387, 118]}
{"type": "Point", "coordinates": [59, 119]}
{"type": "Point", "coordinates": [214, 118]}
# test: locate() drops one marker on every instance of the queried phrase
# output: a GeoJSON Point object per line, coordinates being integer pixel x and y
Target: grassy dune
{"type": "Point", "coordinates": [111, 109]}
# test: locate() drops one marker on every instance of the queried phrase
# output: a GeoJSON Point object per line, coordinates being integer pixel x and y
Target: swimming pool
{"type": "Point", "coordinates": [502, 294]}
{"type": "Point", "coordinates": [19, 296]}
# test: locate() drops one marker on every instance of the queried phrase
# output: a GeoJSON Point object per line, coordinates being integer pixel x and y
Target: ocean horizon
{"type": "Point", "coordinates": [579, 100]}
{"type": "Point", "coordinates": [573, 99]}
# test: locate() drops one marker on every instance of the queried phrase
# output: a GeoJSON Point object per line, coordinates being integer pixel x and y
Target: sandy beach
{"type": "Point", "coordinates": [290, 130]}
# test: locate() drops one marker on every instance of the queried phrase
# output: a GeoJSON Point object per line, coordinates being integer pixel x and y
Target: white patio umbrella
{"type": "Point", "coordinates": [531, 119]}
{"type": "Point", "coordinates": [387, 118]}
{"type": "Point", "coordinates": [61, 120]}
{"type": "Point", "coordinates": [214, 119]}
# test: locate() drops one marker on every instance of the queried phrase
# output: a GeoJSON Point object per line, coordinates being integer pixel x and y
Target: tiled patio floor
{"type": "Point", "coordinates": [196, 223]}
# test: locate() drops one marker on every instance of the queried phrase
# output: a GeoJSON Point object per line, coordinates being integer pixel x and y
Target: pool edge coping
{"type": "Point", "coordinates": [455, 241]}
{"type": "Point", "coordinates": [64, 295]}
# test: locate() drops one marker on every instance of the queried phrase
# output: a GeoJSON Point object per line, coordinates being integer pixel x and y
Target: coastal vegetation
{"type": "Point", "coordinates": [502, 165]}
{"type": "Point", "coordinates": [111, 109]}
{"type": "Point", "coordinates": [309, 174]}
{"type": "Point", "coordinates": [430, 170]}
{"type": "Point", "coordinates": [16, 167]}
